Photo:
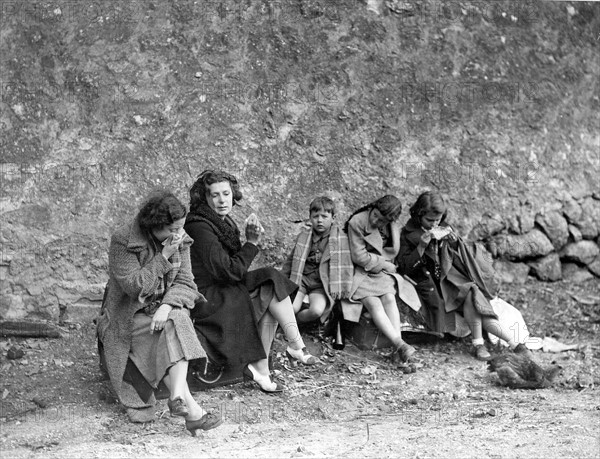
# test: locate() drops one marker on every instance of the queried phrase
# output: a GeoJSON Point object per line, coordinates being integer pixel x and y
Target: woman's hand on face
{"type": "Point", "coordinates": [171, 246]}
{"type": "Point", "coordinates": [253, 229]}
{"type": "Point", "coordinates": [159, 319]}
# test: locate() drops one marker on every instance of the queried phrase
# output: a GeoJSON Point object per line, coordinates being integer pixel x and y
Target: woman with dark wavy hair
{"type": "Point", "coordinates": [145, 333]}
{"type": "Point", "coordinates": [238, 323]}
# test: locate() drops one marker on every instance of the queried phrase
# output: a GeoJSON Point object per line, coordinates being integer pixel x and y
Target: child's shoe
{"type": "Point", "coordinates": [482, 353]}
{"type": "Point", "coordinates": [403, 352]}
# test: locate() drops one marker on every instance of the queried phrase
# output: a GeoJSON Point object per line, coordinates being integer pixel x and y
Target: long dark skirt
{"type": "Point", "coordinates": [227, 325]}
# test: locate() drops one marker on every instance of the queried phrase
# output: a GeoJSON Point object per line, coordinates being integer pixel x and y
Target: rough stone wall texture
{"type": "Point", "coordinates": [494, 103]}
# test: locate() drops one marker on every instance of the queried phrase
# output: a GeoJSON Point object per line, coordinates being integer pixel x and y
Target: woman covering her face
{"type": "Point", "coordinates": [145, 333]}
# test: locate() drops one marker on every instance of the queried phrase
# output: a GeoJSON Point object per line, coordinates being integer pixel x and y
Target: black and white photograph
{"type": "Point", "coordinates": [299, 229]}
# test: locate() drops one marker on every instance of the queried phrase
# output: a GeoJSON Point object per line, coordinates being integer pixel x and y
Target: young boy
{"type": "Point", "coordinates": [320, 263]}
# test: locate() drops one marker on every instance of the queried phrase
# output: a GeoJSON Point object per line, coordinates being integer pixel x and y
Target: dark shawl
{"type": "Point", "coordinates": [465, 274]}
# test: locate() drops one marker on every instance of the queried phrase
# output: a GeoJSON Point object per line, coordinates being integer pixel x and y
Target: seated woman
{"type": "Point", "coordinates": [144, 329]}
{"type": "Point", "coordinates": [451, 277]}
{"type": "Point", "coordinates": [238, 323]}
{"type": "Point", "coordinates": [374, 235]}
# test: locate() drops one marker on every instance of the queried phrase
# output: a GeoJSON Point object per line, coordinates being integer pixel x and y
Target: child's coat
{"type": "Point", "coordinates": [369, 256]}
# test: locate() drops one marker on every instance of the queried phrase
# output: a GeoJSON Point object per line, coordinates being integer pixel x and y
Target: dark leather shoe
{"type": "Point", "coordinates": [177, 407]}
{"type": "Point", "coordinates": [206, 422]}
{"type": "Point", "coordinates": [481, 353]}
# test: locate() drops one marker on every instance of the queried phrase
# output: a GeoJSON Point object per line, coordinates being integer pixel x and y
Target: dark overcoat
{"type": "Point", "coordinates": [227, 324]}
{"type": "Point", "coordinates": [464, 275]}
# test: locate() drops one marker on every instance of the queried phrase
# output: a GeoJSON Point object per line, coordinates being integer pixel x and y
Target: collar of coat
{"type": "Point", "coordinates": [371, 234]}
{"type": "Point", "coordinates": [137, 239]}
{"type": "Point", "coordinates": [414, 231]}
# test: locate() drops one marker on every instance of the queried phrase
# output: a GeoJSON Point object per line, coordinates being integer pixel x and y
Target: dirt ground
{"type": "Point", "coordinates": [355, 404]}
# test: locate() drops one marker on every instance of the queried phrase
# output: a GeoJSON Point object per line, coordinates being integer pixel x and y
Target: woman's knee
{"type": "Point", "coordinates": [318, 309]}
{"type": "Point", "coordinates": [372, 303]}
{"type": "Point", "coordinates": [388, 299]}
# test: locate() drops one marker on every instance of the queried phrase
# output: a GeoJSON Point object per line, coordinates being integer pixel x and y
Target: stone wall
{"type": "Point", "coordinates": [559, 242]}
{"type": "Point", "coordinates": [102, 101]}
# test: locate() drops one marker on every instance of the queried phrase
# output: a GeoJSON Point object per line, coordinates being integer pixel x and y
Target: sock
{"type": "Point", "coordinates": [477, 341]}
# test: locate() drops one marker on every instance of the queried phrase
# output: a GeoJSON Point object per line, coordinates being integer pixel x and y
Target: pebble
{"type": "Point", "coordinates": [40, 402]}
{"type": "Point", "coordinates": [15, 353]}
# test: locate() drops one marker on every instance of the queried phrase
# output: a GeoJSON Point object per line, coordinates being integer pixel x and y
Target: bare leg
{"type": "Point", "coordinates": [474, 320]}
{"type": "Point", "coordinates": [494, 327]}
{"type": "Point", "coordinates": [318, 302]}
{"type": "Point", "coordinates": [284, 314]}
{"type": "Point", "coordinates": [391, 309]}
{"type": "Point", "coordinates": [267, 326]}
{"type": "Point", "coordinates": [298, 300]}
{"type": "Point", "coordinates": [177, 385]}
{"type": "Point", "coordinates": [381, 319]}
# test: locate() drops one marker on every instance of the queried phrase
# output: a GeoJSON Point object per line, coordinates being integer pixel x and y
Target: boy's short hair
{"type": "Point", "coordinates": [322, 203]}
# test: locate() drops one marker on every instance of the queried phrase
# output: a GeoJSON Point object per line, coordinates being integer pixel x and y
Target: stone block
{"type": "Point", "coordinates": [589, 222]}
{"type": "Point", "coordinates": [574, 233]}
{"type": "Point", "coordinates": [575, 274]}
{"type": "Point", "coordinates": [526, 222]}
{"type": "Point", "coordinates": [489, 225]}
{"type": "Point", "coordinates": [572, 210]}
{"type": "Point", "coordinates": [555, 226]}
{"type": "Point", "coordinates": [582, 252]}
{"type": "Point", "coordinates": [594, 266]}
{"type": "Point", "coordinates": [547, 268]}
{"type": "Point", "coordinates": [522, 246]}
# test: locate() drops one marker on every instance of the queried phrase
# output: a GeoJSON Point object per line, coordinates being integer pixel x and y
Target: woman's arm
{"type": "Point", "coordinates": [371, 262]}
{"type": "Point", "coordinates": [214, 258]}
{"type": "Point", "coordinates": [183, 292]}
{"type": "Point", "coordinates": [135, 280]}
